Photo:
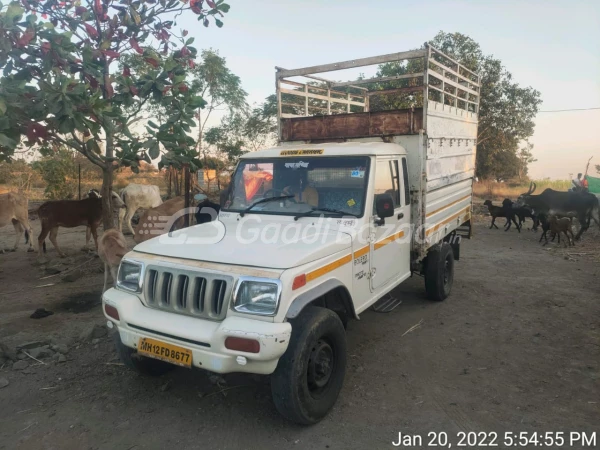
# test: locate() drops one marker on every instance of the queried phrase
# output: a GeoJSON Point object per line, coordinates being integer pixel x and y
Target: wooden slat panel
{"type": "Point", "coordinates": [323, 97]}
{"type": "Point", "coordinates": [354, 125]}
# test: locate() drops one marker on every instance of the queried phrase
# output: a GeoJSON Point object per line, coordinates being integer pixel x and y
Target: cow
{"type": "Point", "coordinates": [136, 196]}
{"type": "Point", "coordinates": [71, 214]}
{"type": "Point", "coordinates": [582, 205]}
{"type": "Point", "coordinates": [111, 249]}
{"type": "Point", "coordinates": [159, 220]}
{"type": "Point", "coordinates": [14, 208]}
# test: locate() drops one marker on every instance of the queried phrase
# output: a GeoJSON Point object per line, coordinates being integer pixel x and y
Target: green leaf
{"type": "Point", "coordinates": [190, 41]}
{"type": "Point", "coordinates": [219, 23]}
{"type": "Point", "coordinates": [93, 146]}
{"type": "Point", "coordinates": [5, 141]}
{"type": "Point", "coordinates": [152, 124]}
{"type": "Point", "coordinates": [2, 106]}
{"type": "Point", "coordinates": [197, 102]}
{"type": "Point", "coordinates": [13, 12]}
{"type": "Point", "coordinates": [223, 7]}
{"type": "Point", "coordinates": [154, 150]}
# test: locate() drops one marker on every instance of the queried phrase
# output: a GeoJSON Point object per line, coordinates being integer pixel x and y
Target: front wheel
{"type": "Point", "coordinates": [439, 272]}
{"type": "Point", "coordinates": [310, 374]}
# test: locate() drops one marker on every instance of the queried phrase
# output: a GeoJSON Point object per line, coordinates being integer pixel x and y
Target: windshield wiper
{"type": "Point", "coordinates": [264, 200]}
{"type": "Point", "coordinates": [330, 210]}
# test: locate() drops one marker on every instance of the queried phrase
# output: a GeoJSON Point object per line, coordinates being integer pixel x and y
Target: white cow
{"type": "Point", "coordinates": [136, 196]}
{"type": "Point", "coordinates": [14, 208]}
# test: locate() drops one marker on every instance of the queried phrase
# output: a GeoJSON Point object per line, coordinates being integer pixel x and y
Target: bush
{"type": "Point", "coordinates": [58, 170]}
{"type": "Point", "coordinates": [19, 174]}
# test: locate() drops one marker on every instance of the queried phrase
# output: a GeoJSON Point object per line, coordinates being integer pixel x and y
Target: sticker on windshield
{"type": "Point", "coordinates": [351, 202]}
{"type": "Point", "coordinates": [357, 174]}
{"type": "Point", "coordinates": [296, 165]}
{"type": "Point", "coordinates": [301, 152]}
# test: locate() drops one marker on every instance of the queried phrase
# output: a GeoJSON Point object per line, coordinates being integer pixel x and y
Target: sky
{"type": "Point", "coordinates": [552, 46]}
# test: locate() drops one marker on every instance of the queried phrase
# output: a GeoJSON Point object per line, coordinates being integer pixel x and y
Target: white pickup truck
{"type": "Point", "coordinates": [353, 201]}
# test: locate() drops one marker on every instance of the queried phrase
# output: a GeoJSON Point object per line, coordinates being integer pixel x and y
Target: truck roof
{"type": "Point", "coordinates": [329, 149]}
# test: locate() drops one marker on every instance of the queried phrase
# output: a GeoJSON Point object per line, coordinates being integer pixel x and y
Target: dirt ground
{"type": "Point", "coordinates": [515, 348]}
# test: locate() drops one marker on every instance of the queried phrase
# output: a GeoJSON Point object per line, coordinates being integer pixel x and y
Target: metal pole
{"type": "Point", "coordinates": [186, 174]}
{"type": "Point", "coordinates": [79, 182]}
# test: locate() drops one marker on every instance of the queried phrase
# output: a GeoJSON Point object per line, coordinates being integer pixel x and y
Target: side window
{"type": "Point", "coordinates": [387, 180]}
{"type": "Point", "coordinates": [395, 182]}
{"type": "Point", "coordinates": [405, 176]}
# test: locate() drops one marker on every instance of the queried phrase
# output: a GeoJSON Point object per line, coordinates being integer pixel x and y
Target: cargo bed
{"type": "Point", "coordinates": [438, 129]}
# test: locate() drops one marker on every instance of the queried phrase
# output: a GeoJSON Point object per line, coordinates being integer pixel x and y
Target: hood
{"type": "Point", "coordinates": [266, 247]}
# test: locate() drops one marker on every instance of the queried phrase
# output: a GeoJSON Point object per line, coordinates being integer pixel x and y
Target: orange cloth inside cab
{"type": "Point", "coordinates": [253, 181]}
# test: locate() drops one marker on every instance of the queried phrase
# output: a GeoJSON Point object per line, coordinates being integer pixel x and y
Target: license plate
{"type": "Point", "coordinates": [165, 352]}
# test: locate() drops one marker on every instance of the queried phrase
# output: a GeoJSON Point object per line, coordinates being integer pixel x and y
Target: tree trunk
{"type": "Point", "coordinates": [200, 134]}
{"type": "Point", "coordinates": [107, 182]}
{"type": "Point", "coordinates": [107, 208]}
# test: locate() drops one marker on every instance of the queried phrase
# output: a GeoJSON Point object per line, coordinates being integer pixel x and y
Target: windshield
{"type": "Point", "coordinates": [333, 183]}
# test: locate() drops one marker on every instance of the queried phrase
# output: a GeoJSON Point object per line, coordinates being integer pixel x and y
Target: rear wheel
{"type": "Point", "coordinates": [439, 272]}
{"type": "Point", "coordinates": [141, 364]}
{"type": "Point", "coordinates": [310, 374]}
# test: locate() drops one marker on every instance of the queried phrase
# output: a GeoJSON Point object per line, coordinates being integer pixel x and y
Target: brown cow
{"type": "Point", "coordinates": [111, 249]}
{"type": "Point", "coordinates": [157, 221]}
{"type": "Point", "coordinates": [71, 214]}
{"type": "Point", "coordinates": [15, 208]}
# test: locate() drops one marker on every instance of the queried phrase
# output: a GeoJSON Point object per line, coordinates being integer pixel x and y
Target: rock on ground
{"type": "Point", "coordinates": [96, 332]}
{"type": "Point", "coordinates": [73, 276]}
{"type": "Point", "coordinates": [33, 344]}
{"type": "Point", "coordinates": [3, 383]}
{"type": "Point", "coordinates": [60, 348]}
{"type": "Point", "coordinates": [40, 352]}
{"type": "Point", "coordinates": [20, 365]}
{"type": "Point", "coordinates": [7, 353]}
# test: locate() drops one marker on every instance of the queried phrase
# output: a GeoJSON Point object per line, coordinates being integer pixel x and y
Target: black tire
{"type": "Point", "coordinates": [439, 272]}
{"type": "Point", "coordinates": [303, 390]}
{"type": "Point", "coordinates": [141, 364]}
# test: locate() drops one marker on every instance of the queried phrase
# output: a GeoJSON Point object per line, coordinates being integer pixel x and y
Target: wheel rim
{"type": "Point", "coordinates": [447, 272]}
{"type": "Point", "coordinates": [320, 366]}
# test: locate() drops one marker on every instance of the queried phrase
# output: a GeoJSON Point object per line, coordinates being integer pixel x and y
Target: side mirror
{"type": "Point", "coordinates": [384, 206]}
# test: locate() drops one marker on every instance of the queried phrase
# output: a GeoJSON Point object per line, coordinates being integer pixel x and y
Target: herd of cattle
{"type": "Point", "coordinates": [552, 210]}
{"type": "Point", "coordinates": [14, 208]}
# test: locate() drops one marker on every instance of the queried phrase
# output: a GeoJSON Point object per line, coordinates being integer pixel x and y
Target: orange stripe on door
{"type": "Point", "coordinates": [328, 268]}
{"type": "Point", "coordinates": [388, 239]}
{"type": "Point", "coordinates": [360, 252]}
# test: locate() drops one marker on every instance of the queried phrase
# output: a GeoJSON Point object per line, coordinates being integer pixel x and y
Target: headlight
{"type": "Point", "coordinates": [130, 276]}
{"type": "Point", "coordinates": [257, 296]}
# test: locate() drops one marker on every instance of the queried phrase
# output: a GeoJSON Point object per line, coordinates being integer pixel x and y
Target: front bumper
{"type": "Point", "coordinates": [205, 338]}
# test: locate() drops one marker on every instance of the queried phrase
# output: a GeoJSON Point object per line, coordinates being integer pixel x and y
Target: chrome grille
{"type": "Point", "coordinates": [187, 292]}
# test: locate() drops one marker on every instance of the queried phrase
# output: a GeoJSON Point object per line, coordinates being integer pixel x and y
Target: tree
{"type": "Point", "coordinates": [243, 131]}
{"type": "Point", "coordinates": [260, 128]}
{"type": "Point", "coordinates": [60, 87]}
{"type": "Point", "coordinates": [215, 83]}
{"type": "Point", "coordinates": [506, 110]}
{"type": "Point", "coordinates": [526, 157]}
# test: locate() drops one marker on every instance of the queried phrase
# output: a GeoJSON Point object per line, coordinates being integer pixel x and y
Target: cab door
{"type": "Point", "coordinates": [390, 243]}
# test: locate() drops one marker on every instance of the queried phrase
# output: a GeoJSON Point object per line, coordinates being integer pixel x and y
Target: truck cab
{"type": "Point", "coordinates": [312, 233]}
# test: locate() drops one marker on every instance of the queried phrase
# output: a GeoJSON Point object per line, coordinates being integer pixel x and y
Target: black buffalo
{"type": "Point", "coordinates": [583, 205]}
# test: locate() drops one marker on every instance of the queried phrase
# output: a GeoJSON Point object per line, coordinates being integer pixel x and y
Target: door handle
{"type": "Point", "coordinates": [400, 216]}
